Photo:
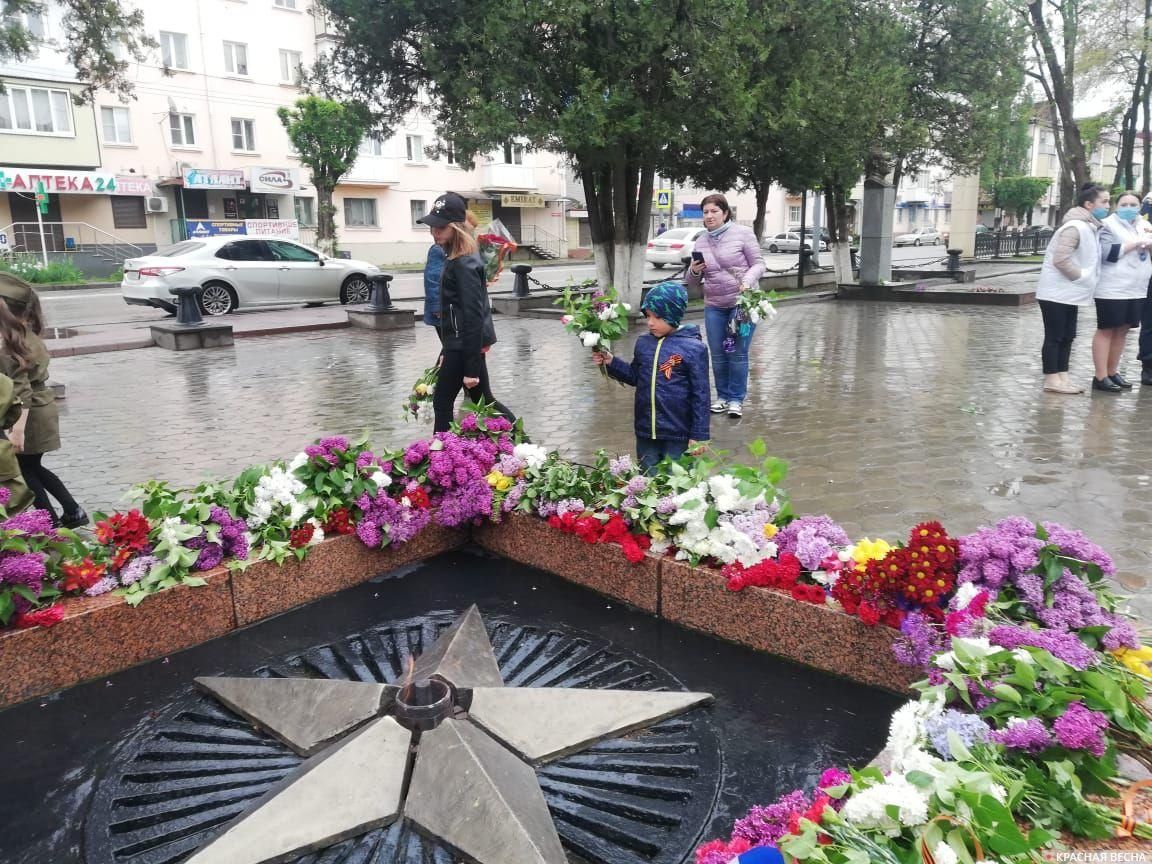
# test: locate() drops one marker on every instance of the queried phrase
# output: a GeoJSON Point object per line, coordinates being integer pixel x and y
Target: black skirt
{"type": "Point", "coordinates": [1119, 313]}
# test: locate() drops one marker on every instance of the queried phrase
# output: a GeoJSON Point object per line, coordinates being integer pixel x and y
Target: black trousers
{"type": "Point", "coordinates": [451, 382]}
{"type": "Point", "coordinates": [43, 483]}
{"type": "Point", "coordinates": [1059, 332]}
{"type": "Point", "coordinates": [1145, 355]}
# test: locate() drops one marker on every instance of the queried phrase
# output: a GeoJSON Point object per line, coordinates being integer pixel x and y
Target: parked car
{"type": "Point", "coordinates": [789, 241]}
{"type": "Point", "coordinates": [1042, 230]}
{"type": "Point", "coordinates": [925, 236]}
{"type": "Point", "coordinates": [672, 246]}
{"type": "Point", "coordinates": [981, 228]}
{"type": "Point", "coordinates": [240, 271]}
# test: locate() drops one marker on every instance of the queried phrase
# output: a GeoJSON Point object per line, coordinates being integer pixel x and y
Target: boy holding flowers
{"type": "Point", "coordinates": [669, 370]}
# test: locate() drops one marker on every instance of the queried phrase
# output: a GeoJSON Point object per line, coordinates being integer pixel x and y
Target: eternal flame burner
{"type": "Point", "coordinates": [452, 753]}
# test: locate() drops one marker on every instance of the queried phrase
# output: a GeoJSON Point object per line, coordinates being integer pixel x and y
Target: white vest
{"type": "Point", "coordinates": [1054, 285]}
{"type": "Point", "coordinates": [1128, 278]}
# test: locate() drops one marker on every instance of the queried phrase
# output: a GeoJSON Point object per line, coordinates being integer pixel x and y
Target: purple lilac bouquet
{"type": "Point", "coordinates": [387, 521]}
{"type": "Point", "coordinates": [812, 539]}
{"type": "Point", "coordinates": [225, 537]}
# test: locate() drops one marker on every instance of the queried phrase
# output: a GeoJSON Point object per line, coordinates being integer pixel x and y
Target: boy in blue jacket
{"type": "Point", "coordinates": [670, 373]}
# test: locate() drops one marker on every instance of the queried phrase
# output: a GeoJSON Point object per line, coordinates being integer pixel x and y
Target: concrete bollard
{"type": "Point", "coordinates": [520, 285]}
{"type": "Point", "coordinates": [381, 300]}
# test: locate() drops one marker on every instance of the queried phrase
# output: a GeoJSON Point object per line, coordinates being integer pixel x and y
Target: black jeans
{"type": "Point", "coordinates": [1145, 355]}
{"type": "Point", "coordinates": [43, 483]}
{"type": "Point", "coordinates": [1059, 331]}
{"type": "Point", "coordinates": [449, 384]}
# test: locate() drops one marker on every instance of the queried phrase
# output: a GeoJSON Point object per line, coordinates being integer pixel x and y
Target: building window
{"type": "Point", "coordinates": [449, 152]}
{"type": "Point", "coordinates": [372, 146]}
{"type": "Point", "coordinates": [243, 135]}
{"type": "Point", "coordinates": [513, 154]}
{"type": "Point", "coordinates": [117, 129]}
{"type": "Point", "coordinates": [36, 110]}
{"type": "Point", "coordinates": [306, 211]}
{"type": "Point", "coordinates": [32, 21]}
{"type": "Point", "coordinates": [285, 4]}
{"type": "Point", "coordinates": [183, 129]}
{"type": "Point", "coordinates": [415, 148]}
{"type": "Point", "coordinates": [174, 50]}
{"type": "Point", "coordinates": [290, 62]}
{"type": "Point", "coordinates": [128, 211]}
{"type": "Point", "coordinates": [360, 212]}
{"type": "Point", "coordinates": [236, 58]}
{"type": "Point", "coordinates": [419, 211]}
{"type": "Point", "coordinates": [793, 214]}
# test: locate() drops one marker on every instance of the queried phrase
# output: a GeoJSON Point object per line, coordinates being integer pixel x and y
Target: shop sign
{"type": "Point", "coordinates": [57, 182]}
{"type": "Point", "coordinates": [289, 228]}
{"type": "Point", "coordinates": [198, 228]}
{"type": "Point", "coordinates": [214, 178]}
{"type": "Point", "coordinates": [138, 186]}
{"type": "Point", "coordinates": [482, 210]}
{"type": "Point", "coordinates": [522, 200]}
{"type": "Point", "coordinates": [273, 180]}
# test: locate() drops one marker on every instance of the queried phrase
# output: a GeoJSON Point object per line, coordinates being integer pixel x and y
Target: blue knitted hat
{"type": "Point", "coordinates": [668, 301]}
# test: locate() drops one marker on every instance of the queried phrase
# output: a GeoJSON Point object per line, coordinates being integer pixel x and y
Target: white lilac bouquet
{"type": "Point", "coordinates": [418, 405]}
{"type": "Point", "coordinates": [754, 306]}
{"type": "Point", "coordinates": [598, 319]}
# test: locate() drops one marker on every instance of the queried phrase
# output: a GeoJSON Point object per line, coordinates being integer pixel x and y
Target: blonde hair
{"type": "Point", "coordinates": [462, 242]}
{"type": "Point", "coordinates": [471, 222]}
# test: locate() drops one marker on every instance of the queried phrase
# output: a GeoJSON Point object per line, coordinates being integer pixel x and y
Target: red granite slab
{"type": "Point", "coordinates": [102, 635]}
{"type": "Point", "coordinates": [772, 621]}
{"type": "Point", "coordinates": [267, 589]}
{"type": "Point", "coordinates": [599, 566]}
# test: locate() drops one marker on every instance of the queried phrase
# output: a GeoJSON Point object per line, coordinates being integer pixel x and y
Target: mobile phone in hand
{"type": "Point", "coordinates": [697, 257]}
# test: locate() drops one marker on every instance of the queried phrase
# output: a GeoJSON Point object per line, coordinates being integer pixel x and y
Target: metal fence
{"type": "Point", "coordinates": [1008, 244]}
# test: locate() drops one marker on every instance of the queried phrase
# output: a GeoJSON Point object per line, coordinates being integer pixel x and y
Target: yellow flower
{"type": "Point", "coordinates": [494, 479]}
{"type": "Point", "coordinates": [770, 530]}
{"type": "Point", "coordinates": [422, 389]}
{"type": "Point", "coordinates": [504, 484]}
{"type": "Point", "coordinates": [1138, 660]}
{"type": "Point", "coordinates": [656, 532]}
{"type": "Point", "coordinates": [867, 550]}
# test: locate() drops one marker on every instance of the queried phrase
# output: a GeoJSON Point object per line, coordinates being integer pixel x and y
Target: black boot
{"type": "Point", "coordinates": [1146, 378]}
{"type": "Point", "coordinates": [74, 520]}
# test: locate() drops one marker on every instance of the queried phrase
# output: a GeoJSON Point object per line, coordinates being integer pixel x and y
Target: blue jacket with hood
{"type": "Point", "coordinates": [670, 375]}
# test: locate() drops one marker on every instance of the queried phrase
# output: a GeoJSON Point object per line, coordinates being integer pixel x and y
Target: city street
{"type": "Point", "coordinates": [83, 306]}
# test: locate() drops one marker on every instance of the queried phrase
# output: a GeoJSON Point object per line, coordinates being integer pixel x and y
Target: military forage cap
{"type": "Point", "coordinates": [14, 288]}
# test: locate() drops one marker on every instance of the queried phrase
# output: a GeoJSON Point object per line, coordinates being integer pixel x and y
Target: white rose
{"type": "Point", "coordinates": [589, 338]}
{"type": "Point", "coordinates": [382, 480]}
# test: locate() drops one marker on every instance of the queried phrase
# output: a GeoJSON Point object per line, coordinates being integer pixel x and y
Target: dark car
{"type": "Point", "coordinates": [1042, 230]}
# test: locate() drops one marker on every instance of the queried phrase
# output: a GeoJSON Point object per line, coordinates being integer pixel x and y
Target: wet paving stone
{"type": "Point", "coordinates": [887, 414]}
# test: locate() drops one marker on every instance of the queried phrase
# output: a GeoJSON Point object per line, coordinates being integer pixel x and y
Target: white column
{"type": "Point", "coordinates": [965, 212]}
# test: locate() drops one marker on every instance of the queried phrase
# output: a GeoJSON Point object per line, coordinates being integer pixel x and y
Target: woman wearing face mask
{"type": "Point", "coordinates": [1067, 281]}
{"type": "Point", "coordinates": [727, 259]}
{"type": "Point", "coordinates": [1125, 271]}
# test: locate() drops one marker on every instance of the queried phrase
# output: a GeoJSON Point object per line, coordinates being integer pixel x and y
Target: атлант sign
{"type": "Point", "coordinates": [214, 178]}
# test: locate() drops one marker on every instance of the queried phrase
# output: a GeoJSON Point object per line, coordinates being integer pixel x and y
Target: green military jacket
{"type": "Point", "coordinates": [42, 432]}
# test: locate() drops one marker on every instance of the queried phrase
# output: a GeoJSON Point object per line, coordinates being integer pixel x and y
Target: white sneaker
{"type": "Point", "coordinates": [735, 409]}
{"type": "Point", "coordinates": [719, 406]}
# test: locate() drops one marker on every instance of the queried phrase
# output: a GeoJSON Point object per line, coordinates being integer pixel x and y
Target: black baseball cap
{"type": "Point", "coordinates": [449, 207]}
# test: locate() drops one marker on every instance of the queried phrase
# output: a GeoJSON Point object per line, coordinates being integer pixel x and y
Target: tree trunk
{"type": "Point", "coordinates": [1060, 85]}
{"type": "Point", "coordinates": [1124, 178]}
{"type": "Point", "coordinates": [1147, 138]}
{"type": "Point", "coordinates": [325, 217]}
{"type": "Point", "coordinates": [618, 193]}
{"type": "Point", "coordinates": [761, 188]}
{"type": "Point", "coordinates": [839, 230]}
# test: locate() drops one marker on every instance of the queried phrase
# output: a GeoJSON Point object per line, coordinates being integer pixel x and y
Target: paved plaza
{"type": "Point", "coordinates": [887, 414]}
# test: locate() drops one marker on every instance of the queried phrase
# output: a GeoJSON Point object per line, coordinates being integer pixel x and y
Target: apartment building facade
{"type": "Point", "coordinates": [201, 150]}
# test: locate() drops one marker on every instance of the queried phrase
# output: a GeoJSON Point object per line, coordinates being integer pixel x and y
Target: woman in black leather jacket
{"type": "Point", "coordinates": [466, 329]}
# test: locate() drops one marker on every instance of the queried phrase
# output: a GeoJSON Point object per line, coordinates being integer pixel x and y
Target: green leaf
{"type": "Point", "coordinates": [1007, 693]}
{"type": "Point", "coordinates": [922, 779]}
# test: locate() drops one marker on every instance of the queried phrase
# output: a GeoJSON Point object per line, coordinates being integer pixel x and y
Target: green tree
{"type": "Point", "coordinates": [1018, 195]}
{"type": "Point", "coordinates": [1009, 143]}
{"type": "Point", "coordinates": [92, 30]}
{"type": "Point", "coordinates": [608, 84]}
{"type": "Point", "coordinates": [326, 135]}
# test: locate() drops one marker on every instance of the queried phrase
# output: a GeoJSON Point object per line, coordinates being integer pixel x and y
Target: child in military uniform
{"type": "Point", "coordinates": [19, 496]}
{"type": "Point", "coordinates": [24, 359]}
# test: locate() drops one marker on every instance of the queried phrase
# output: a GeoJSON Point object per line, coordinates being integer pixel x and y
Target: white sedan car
{"type": "Point", "coordinates": [919, 237]}
{"type": "Point", "coordinates": [239, 271]}
{"type": "Point", "coordinates": [672, 246]}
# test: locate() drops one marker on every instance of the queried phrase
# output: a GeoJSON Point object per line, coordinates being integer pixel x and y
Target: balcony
{"type": "Point", "coordinates": [499, 177]}
{"type": "Point", "coordinates": [915, 195]}
{"type": "Point", "coordinates": [373, 171]}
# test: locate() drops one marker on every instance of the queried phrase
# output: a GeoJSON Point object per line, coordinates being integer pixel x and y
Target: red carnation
{"type": "Point", "coordinates": [302, 536]}
{"type": "Point", "coordinates": [418, 497]}
{"type": "Point", "coordinates": [339, 522]}
{"type": "Point", "coordinates": [869, 614]}
{"type": "Point", "coordinates": [40, 617]}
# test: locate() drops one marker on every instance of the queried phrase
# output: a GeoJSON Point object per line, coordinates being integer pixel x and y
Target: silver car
{"type": "Point", "coordinates": [925, 236]}
{"type": "Point", "coordinates": [789, 241]}
{"type": "Point", "coordinates": [239, 271]}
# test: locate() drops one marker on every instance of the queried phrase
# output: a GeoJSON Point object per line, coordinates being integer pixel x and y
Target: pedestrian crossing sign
{"type": "Point", "coordinates": [663, 200]}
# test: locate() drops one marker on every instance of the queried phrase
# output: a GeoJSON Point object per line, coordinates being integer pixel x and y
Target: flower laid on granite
{"type": "Point", "coordinates": [968, 728]}
{"type": "Point", "coordinates": [81, 575]}
{"type": "Point", "coordinates": [47, 617]}
{"type": "Point", "coordinates": [607, 529]}
{"type": "Point", "coordinates": [812, 539]}
{"type": "Point", "coordinates": [29, 546]}
{"type": "Point", "coordinates": [388, 521]}
{"type": "Point", "coordinates": [1029, 735]}
{"type": "Point", "coordinates": [418, 406]}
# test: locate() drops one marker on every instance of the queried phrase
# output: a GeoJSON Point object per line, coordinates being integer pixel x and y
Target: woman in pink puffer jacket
{"type": "Point", "coordinates": [731, 264]}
